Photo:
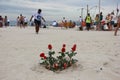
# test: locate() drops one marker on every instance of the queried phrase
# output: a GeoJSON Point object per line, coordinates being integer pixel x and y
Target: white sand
{"type": "Point", "coordinates": [20, 49]}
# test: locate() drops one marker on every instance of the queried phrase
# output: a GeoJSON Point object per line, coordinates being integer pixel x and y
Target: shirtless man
{"type": "Point", "coordinates": [21, 20]}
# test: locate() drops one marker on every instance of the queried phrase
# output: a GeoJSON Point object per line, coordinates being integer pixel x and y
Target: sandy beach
{"type": "Point", "coordinates": [98, 54]}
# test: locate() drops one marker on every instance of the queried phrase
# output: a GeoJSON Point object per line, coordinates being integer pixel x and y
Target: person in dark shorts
{"type": "Point", "coordinates": [21, 20]}
{"type": "Point", "coordinates": [88, 21]}
{"type": "Point", "coordinates": [37, 20]}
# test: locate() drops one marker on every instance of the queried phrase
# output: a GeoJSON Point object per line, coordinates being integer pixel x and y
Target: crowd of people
{"type": "Point", "coordinates": [64, 23]}
{"type": "Point", "coordinates": [107, 23]}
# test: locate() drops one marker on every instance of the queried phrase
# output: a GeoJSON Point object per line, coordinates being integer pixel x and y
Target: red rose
{"type": "Point", "coordinates": [74, 48]}
{"type": "Point", "coordinates": [64, 45]}
{"type": "Point", "coordinates": [63, 50]}
{"type": "Point", "coordinates": [74, 45]}
{"type": "Point", "coordinates": [49, 46]}
{"type": "Point", "coordinates": [42, 55]}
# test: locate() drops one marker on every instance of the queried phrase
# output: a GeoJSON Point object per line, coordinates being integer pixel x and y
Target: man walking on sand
{"type": "Point", "coordinates": [37, 20]}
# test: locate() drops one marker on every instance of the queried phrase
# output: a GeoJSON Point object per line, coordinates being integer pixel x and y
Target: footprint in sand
{"type": "Point", "coordinates": [116, 54]}
{"type": "Point", "coordinates": [105, 63]}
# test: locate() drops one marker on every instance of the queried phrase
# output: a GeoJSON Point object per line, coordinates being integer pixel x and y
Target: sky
{"type": "Point", "coordinates": [56, 9]}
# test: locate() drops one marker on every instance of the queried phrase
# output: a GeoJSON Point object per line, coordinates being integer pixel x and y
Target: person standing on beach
{"type": "Point", "coordinates": [18, 22]}
{"type": "Point", "coordinates": [80, 21]}
{"type": "Point", "coordinates": [118, 26]}
{"type": "Point", "coordinates": [25, 21]}
{"type": "Point", "coordinates": [108, 19]}
{"type": "Point", "coordinates": [97, 20]}
{"type": "Point", "coordinates": [88, 21]}
{"type": "Point", "coordinates": [37, 20]}
{"type": "Point", "coordinates": [113, 20]}
{"type": "Point", "coordinates": [100, 25]}
{"type": "Point", "coordinates": [5, 21]}
{"type": "Point", "coordinates": [21, 20]}
{"type": "Point", "coordinates": [1, 21]}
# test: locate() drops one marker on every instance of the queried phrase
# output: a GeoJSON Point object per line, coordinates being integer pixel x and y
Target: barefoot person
{"type": "Point", "coordinates": [37, 20]}
{"type": "Point", "coordinates": [118, 26]}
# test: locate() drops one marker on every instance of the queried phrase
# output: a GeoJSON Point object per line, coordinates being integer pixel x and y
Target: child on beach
{"type": "Point", "coordinates": [118, 26]}
{"type": "Point", "coordinates": [37, 20]}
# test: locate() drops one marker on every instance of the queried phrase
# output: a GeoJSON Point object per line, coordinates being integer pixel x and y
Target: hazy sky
{"type": "Point", "coordinates": [55, 9]}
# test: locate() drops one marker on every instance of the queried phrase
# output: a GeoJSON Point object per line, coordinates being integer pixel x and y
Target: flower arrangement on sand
{"type": "Point", "coordinates": [60, 62]}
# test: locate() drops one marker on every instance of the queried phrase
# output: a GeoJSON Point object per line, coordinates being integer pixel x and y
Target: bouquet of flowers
{"type": "Point", "coordinates": [60, 62]}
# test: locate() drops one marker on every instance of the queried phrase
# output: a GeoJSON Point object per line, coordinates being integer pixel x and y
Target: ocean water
{"type": "Point", "coordinates": [14, 23]}
{"type": "Point", "coordinates": [48, 23]}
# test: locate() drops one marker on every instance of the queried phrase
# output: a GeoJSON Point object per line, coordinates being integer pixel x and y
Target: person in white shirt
{"type": "Point", "coordinates": [113, 19]}
{"type": "Point", "coordinates": [25, 21]}
{"type": "Point", "coordinates": [37, 20]}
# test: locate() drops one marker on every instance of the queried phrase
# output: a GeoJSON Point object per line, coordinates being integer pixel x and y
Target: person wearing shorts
{"type": "Point", "coordinates": [21, 20]}
{"type": "Point", "coordinates": [88, 21]}
{"type": "Point", "coordinates": [37, 20]}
